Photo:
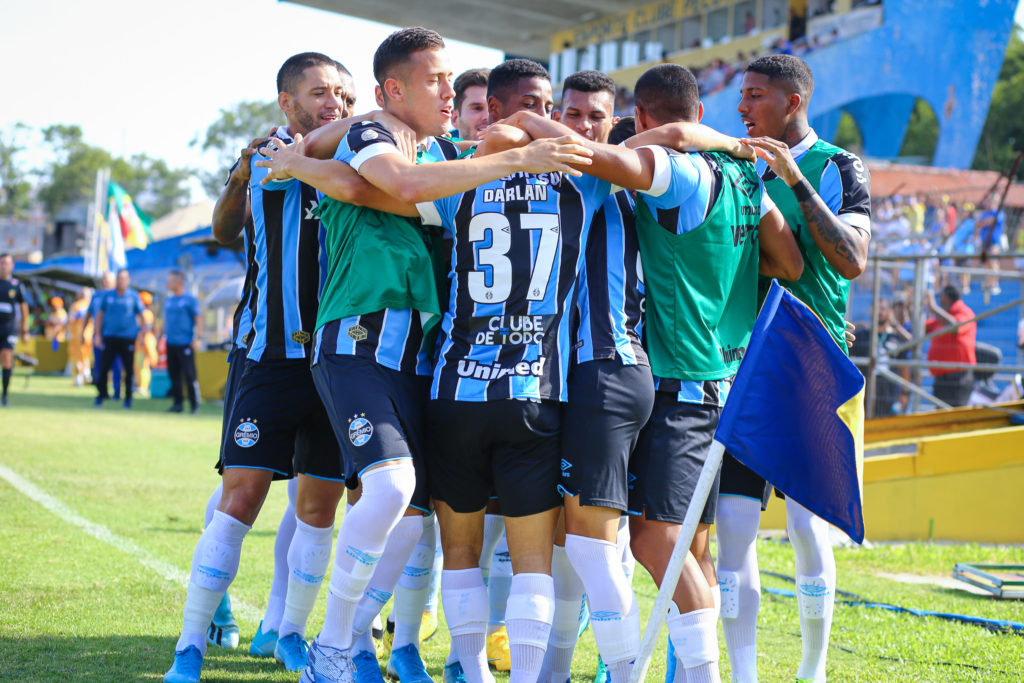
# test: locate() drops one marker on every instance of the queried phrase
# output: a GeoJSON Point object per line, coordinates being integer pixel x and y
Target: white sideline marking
{"type": "Point", "coordinates": [166, 570]}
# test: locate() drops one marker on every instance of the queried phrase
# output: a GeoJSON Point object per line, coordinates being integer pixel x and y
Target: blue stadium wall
{"type": "Point", "coordinates": [945, 52]}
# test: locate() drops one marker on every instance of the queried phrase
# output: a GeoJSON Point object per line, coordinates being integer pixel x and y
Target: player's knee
{"type": "Point", "coordinates": [646, 545]}
{"type": "Point", "coordinates": [390, 487]}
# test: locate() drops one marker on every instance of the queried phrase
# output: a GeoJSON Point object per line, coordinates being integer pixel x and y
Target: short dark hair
{"type": "Point", "coordinates": [508, 74]}
{"type": "Point", "coordinates": [668, 93]}
{"type": "Point", "coordinates": [623, 130]}
{"type": "Point", "coordinates": [177, 273]}
{"type": "Point", "coordinates": [342, 69]}
{"type": "Point", "coordinates": [7, 254]}
{"type": "Point", "coordinates": [290, 73]}
{"type": "Point", "coordinates": [590, 81]}
{"type": "Point", "coordinates": [123, 270]}
{"type": "Point", "coordinates": [786, 70]}
{"type": "Point", "coordinates": [468, 79]}
{"type": "Point", "coordinates": [951, 292]}
{"type": "Point", "coordinates": [400, 46]}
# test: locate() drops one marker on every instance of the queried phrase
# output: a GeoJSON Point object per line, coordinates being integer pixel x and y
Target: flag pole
{"type": "Point", "coordinates": [675, 563]}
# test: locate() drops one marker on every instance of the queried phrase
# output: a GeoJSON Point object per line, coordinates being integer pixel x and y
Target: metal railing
{"type": "Point", "coordinates": [877, 364]}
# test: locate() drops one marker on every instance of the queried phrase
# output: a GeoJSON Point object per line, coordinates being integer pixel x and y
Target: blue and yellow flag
{"type": "Point", "coordinates": [795, 414]}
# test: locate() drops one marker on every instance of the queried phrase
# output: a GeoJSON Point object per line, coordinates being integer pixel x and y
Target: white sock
{"type": "Point", "coordinates": [565, 621]}
{"type": "Point", "coordinates": [736, 526]}
{"type": "Point", "coordinates": [214, 565]}
{"type": "Point", "coordinates": [614, 614]}
{"type": "Point", "coordinates": [622, 543]}
{"type": "Point", "coordinates": [282, 542]}
{"type": "Point", "coordinates": [494, 528]}
{"type": "Point", "coordinates": [361, 541]}
{"type": "Point", "coordinates": [464, 598]}
{"type": "Point", "coordinates": [401, 541]}
{"type": "Point", "coordinates": [413, 587]}
{"type": "Point", "coordinates": [498, 585]}
{"type": "Point", "coordinates": [212, 503]}
{"type": "Point", "coordinates": [434, 594]}
{"type": "Point", "coordinates": [695, 637]}
{"type": "Point", "coordinates": [815, 586]}
{"type": "Point", "coordinates": [308, 558]}
{"type": "Point", "coordinates": [531, 607]}
{"type": "Point", "coordinates": [364, 643]}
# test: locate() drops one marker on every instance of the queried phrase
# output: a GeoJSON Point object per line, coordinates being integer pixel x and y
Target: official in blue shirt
{"type": "Point", "coordinates": [118, 319]}
{"type": "Point", "coordinates": [183, 330]}
{"type": "Point", "coordinates": [106, 285]}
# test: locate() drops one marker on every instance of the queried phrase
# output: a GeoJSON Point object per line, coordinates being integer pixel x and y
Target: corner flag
{"type": "Point", "coordinates": [795, 414]}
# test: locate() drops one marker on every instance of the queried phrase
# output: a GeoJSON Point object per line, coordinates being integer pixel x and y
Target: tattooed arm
{"type": "Point", "coordinates": [843, 243]}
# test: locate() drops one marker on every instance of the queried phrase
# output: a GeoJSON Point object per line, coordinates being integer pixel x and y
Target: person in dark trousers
{"type": "Point", "coordinates": [183, 329]}
{"type": "Point", "coordinates": [118, 319]}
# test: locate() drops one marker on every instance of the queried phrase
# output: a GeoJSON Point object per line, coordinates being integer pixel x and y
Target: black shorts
{"type": "Point", "coordinates": [236, 363]}
{"type": "Point", "coordinates": [278, 423]}
{"type": "Point", "coordinates": [506, 447]}
{"type": "Point", "coordinates": [740, 480]}
{"type": "Point", "coordinates": [377, 414]}
{"type": "Point", "coordinates": [8, 337]}
{"type": "Point", "coordinates": [609, 403]}
{"type": "Point", "coordinates": [668, 459]}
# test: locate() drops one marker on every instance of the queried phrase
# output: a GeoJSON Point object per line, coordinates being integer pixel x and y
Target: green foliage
{"type": "Point", "coordinates": [15, 187]}
{"type": "Point", "coordinates": [233, 130]}
{"type": "Point", "coordinates": [70, 176]}
{"type": "Point", "coordinates": [922, 132]}
{"type": "Point", "coordinates": [1003, 135]}
{"type": "Point", "coordinates": [848, 135]}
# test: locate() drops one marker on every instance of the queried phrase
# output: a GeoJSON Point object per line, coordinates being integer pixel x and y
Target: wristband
{"type": "Point", "coordinates": [803, 190]}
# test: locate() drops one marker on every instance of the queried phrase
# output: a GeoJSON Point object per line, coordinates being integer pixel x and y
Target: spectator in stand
{"type": "Point", "coordinates": [183, 330]}
{"type": "Point", "coordinates": [952, 385]}
{"type": "Point", "coordinates": [991, 239]}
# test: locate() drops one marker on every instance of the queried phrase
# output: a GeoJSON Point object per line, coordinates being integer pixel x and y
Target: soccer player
{"type": "Point", "coordinates": [374, 328]}
{"type": "Point", "coordinates": [469, 115]}
{"type": "Point", "coordinates": [118, 319]}
{"type": "Point", "coordinates": [183, 330]}
{"type": "Point", "coordinates": [277, 426]}
{"type": "Point", "coordinates": [78, 349]}
{"type": "Point", "coordinates": [610, 397]}
{"type": "Point", "coordinates": [12, 304]}
{"type": "Point", "coordinates": [824, 193]}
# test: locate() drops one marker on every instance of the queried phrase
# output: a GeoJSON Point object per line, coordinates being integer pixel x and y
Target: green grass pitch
{"type": "Point", "coordinates": [106, 606]}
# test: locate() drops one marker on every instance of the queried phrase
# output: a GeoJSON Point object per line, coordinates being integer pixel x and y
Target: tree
{"type": "Point", "coordinates": [1003, 134]}
{"type": "Point", "coordinates": [233, 130]}
{"type": "Point", "coordinates": [71, 176]}
{"type": "Point", "coordinates": [15, 188]}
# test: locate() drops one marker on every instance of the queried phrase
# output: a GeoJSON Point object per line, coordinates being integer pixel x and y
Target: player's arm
{"type": "Point", "coordinates": [627, 168]}
{"type": "Point", "coordinates": [779, 254]}
{"type": "Point", "coordinates": [323, 142]}
{"type": "Point", "coordinates": [98, 329]}
{"type": "Point", "coordinates": [844, 245]}
{"type": "Point", "coordinates": [691, 137]}
{"type": "Point", "coordinates": [197, 333]}
{"type": "Point", "coordinates": [232, 208]}
{"type": "Point", "coordinates": [375, 155]}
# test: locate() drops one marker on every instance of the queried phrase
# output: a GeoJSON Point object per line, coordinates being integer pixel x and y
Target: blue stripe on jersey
{"type": "Point", "coordinates": [258, 340]}
{"type": "Point", "coordinates": [392, 338]}
{"type": "Point", "coordinates": [289, 271]}
{"type": "Point", "coordinates": [516, 253]}
{"type": "Point", "coordinates": [610, 296]}
{"type": "Point", "coordinates": [704, 392]}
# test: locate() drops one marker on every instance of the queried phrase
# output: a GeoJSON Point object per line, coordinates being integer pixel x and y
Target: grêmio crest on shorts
{"type": "Point", "coordinates": [516, 251]}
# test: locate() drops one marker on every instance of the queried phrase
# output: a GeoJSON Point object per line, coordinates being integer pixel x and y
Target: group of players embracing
{"type": "Point", "coordinates": [539, 318]}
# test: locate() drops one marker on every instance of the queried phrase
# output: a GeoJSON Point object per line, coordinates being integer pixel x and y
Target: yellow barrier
{"type": "Point", "coordinates": [959, 487]}
{"type": "Point", "coordinates": [41, 348]}
{"type": "Point", "coordinates": [212, 372]}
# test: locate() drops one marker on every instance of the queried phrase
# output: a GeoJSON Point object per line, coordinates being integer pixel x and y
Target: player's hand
{"type": "Point", "coordinates": [555, 154]}
{"type": "Point", "coordinates": [197, 345]}
{"type": "Point", "coordinates": [499, 136]}
{"type": "Point", "coordinates": [406, 141]}
{"type": "Point", "coordinates": [97, 341]}
{"type": "Point", "coordinates": [243, 170]}
{"type": "Point", "coordinates": [397, 127]}
{"type": "Point", "coordinates": [279, 157]}
{"type": "Point", "coordinates": [778, 157]}
{"type": "Point", "coordinates": [743, 151]}
{"type": "Point", "coordinates": [849, 333]}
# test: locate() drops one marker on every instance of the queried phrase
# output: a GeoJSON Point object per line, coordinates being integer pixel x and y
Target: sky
{"type": "Point", "coordinates": [149, 77]}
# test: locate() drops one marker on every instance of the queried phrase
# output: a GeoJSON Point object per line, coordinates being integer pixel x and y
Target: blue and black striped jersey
{"type": "Point", "coordinates": [610, 294]}
{"type": "Point", "coordinates": [285, 266]}
{"type": "Point", "coordinates": [516, 252]}
{"type": "Point", "coordinates": [390, 337]}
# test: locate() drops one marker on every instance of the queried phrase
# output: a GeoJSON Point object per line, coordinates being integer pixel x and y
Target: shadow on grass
{"type": "Point", "coordinates": [123, 658]}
